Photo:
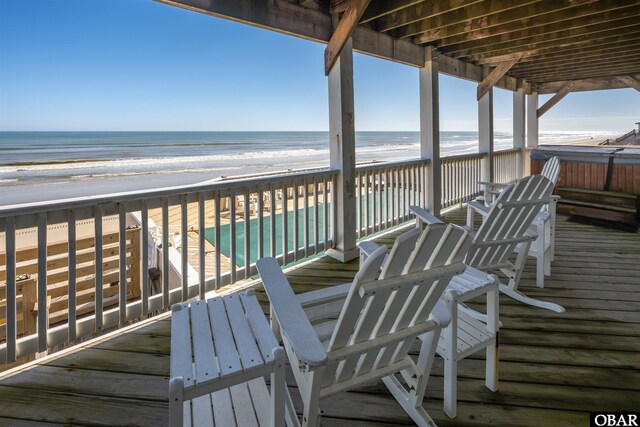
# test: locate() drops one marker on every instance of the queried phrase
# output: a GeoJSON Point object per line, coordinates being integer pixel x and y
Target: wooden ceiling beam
{"type": "Point", "coordinates": [590, 75]}
{"type": "Point", "coordinates": [515, 12]}
{"type": "Point", "coordinates": [580, 85]}
{"type": "Point", "coordinates": [555, 98]}
{"type": "Point", "coordinates": [338, 6]}
{"type": "Point", "coordinates": [572, 58]}
{"type": "Point", "coordinates": [575, 65]}
{"type": "Point", "coordinates": [420, 12]}
{"type": "Point", "coordinates": [565, 38]}
{"type": "Point", "coordinates": [555, 46]}
{"type": "Point", "coordinates": [630, 81]}
{"type": "Point", "coordinates": [492, 78]}
{"type": "Point", "coordinates": [514, 31]}
{"type": "Point", "coordinates": [378, 9]}
{"type": "Point", "coordinates": [617, 69]}
{"type": "Point", "coordinates": [343, 31]}
{"type": "Point", "coordinates": [628, 44]}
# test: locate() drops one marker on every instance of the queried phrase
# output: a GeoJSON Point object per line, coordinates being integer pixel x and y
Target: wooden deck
{"type": "Point", "coordinates": [554, 368]}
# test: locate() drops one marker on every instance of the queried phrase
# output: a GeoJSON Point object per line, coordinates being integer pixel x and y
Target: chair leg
{"type": "Point", "coordinates": [417, 413]}
{"type": "Point", "coordinates": [451, 362]}
{"type": "Point", "coordinates": [492, 358]}
{"type": "Point", "coordinates": [311, 399]}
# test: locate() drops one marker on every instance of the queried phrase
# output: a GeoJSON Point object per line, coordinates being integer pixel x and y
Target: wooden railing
{"type": "Point", "coordinates": [77, 289]}
{"type": "Point", "coordinates": [384, 192]}
{"type": "Point", "coordinates": [505, 165]}
{"type": "Point", "coordinates": [54, 290]}
{"type": "Point", "coordinates": [460, 176]}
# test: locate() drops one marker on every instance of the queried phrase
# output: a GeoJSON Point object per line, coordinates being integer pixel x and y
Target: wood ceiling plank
{"type": "Point", "coordinates": [604, 30]}
{"type": "Point", "coordinates": [420, 12]}
{"type": "Point", "coordinates": [626, 44]}
{"type": "Point", "coordinates": [587, 75]}
{"type": "Point", "coordinates": [580, 41]}
{"type": "Point", "coordinates": [343, 31]}
{"type": "Point", "coordinates": [380, 8]}
{"type": "Point", "coordinates": [500, 13]}
{"type": "Point", "coordinates": [580, 85]}
{"type": "Point", "coordinates": [512, 32]}
{"type": "Point", "coordinates": [576, 65]}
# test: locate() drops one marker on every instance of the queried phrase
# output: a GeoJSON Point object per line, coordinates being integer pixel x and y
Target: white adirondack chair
{"type": "Point", "coordinates": [466, 334]}
{"type": "Point", "coordinates": [543, 226]}
{"type": "Point", "coordinates": [363, 331]}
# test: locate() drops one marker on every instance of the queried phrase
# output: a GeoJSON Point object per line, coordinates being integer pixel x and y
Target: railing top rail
{"type": "Point", "coordinates": [383, 165]}
{"type": "Point", "coordinates": [463, 157]}
{"type": "Point", "coordinates": [506, 151]}
{"type": "Point", "coordinates": [85, 201]}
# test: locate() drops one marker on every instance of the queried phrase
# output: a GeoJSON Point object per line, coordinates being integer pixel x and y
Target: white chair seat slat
{"type": "Point", "coordinates": [202, 414]}
{"type": "Point", "coordinates": [223, 408]}
{"type": "Point", "coordinates": [204, 354]}
{"type": "Point", "coordinates": [324, 295]}
{"type": "Point", "coordinates": [243, 406]}
{"type": "Point", "coordinates": [182, 359]}
{"type": "Point", "coordinates": [260, 329]}
{"type": "Point", "coordinates": [472, 335]}
{"type": "Point", "coordinates": [243, 336]}
{"type": "Point", "coordinates": [226, 350]}
{"type": "Point", "coordinates": [261, 400]}
{"type": "Point", "coordinates": [320, 312]}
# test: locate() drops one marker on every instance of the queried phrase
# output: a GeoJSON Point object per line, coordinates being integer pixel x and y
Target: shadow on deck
{"type": "Point", "coordinates": [554, 368]}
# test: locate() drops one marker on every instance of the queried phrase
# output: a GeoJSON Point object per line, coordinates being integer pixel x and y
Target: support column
{"type": "Point", "coordinates": [485, 134]}
{"type": "Point", "coordinates": [532, 129]}
{"type": "Point", "coordinates": [430, 129]}
{"type": "Point", "coordinates": [343, 154]}
{"type": "Point", "coordinates": [519, 129]}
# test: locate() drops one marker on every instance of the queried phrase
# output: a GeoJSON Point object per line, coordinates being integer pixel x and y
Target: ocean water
{"type": "Point", "coordinates": [32, 158]}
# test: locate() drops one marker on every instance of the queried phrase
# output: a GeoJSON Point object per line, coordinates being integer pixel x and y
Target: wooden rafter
{"type": "Point", "coordinates": [493, 77]}
{"type": "Point", "coordinates": [630, 81]}
{"type": "Point", "coordinates": [342, 32]}
{"type": "Point", "coordinates": [580, 85]}
{"type": "Point", "coordinates": [420, 12]}
{"type": "Point", "coordinates": [382, 8]}
{"type": "Point", "coordinates": [540, 30]}
{"type": "Point", "coordinates": [555, 98]}
{"type": "Point", "coordinates": [508, 12]}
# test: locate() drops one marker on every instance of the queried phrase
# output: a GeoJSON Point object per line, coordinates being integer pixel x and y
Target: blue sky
{"type": "Point", "coordinates": [142, 65]}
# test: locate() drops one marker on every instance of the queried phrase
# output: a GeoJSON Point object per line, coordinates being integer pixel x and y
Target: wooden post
{"type": "Point", "coordinates": [485, 134]}
{"type": "Point", "coordinates": [519, 129]}
{"type": "Point", "coordinates": [343, 154]}
{"type": "Point", "coordinates": [430, 128]}
{"type": "Point", "coordinates": [532, 128]}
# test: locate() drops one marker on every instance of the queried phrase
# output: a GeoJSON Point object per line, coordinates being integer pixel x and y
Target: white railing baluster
{"type": "Point", "coordinates": [325, 207]}
{"type": "Point", "coordinates": [144, 259]}
{"type": "Point", "coordinates": [247, 234]}
{"type": "Point", "coordinates": [272, 220]}
{"type": "Point", "coordinates": [260, 222]}
{"type": "Point", "coordinates": [216, 225]}
{"type": "Point", "coordinates": [316, 220]}
{"type": "Point", "coordinates": [202, 277]}
{"type": "Point", "coordinates": [12, 321]}
{"type": "Point", "coordinates": [71, 277]}
{"type": "Point", "coordinates": [43, 315]}
{"type": "Point", "coordinates": [184, 246]}
{"type": "Point", "coordinates": [97, 215]}
{"type": "Point", "coordinates": [296, 214]}
{"type": "Point", "coordinates": [232, 235]}
{"type": "Point", "coordinates": [306, 217]}
{"type": "Point", "coordinates": [165, 253]}
{"type": "Point", "coordinates": [285, 228]}
{"type": "Point", "coordinates": [122, 263]}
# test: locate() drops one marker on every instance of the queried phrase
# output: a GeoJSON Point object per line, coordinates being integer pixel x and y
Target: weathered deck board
{"type": "Point", "coordinates": [554, 368]}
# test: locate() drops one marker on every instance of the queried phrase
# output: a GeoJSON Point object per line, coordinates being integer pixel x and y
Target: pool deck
{"type": "Point", "coordinates": [554, 368]}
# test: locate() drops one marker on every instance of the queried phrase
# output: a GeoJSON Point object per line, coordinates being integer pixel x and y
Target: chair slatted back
{"type": "Point", "coordinates": [551, 170]}
{"type": "Point", "coordinates": [507, 222]}
{"type": "Point", "coordinates": [380, 319]}
{"type": "Point", "coordinates": [400, 252]}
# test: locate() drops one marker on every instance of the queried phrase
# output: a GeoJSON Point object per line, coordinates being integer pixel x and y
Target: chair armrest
{"type": "Point", "coordinates": [478, 207]}
{"type": "Point", "coordinates": [366, 249]}
{"type": "Point", "coordinates": [493, 184]}
{"type": "Point", "coordinates": [424, 215]}
{"type": "Point", "coordinates": [294, 325]}
{"type": "Point", "coordinates": [441, 314]}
